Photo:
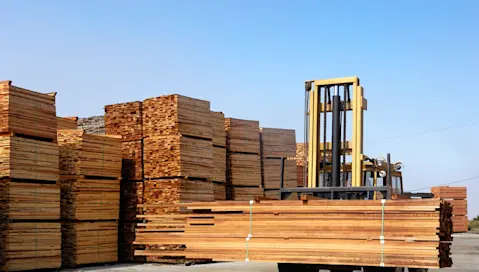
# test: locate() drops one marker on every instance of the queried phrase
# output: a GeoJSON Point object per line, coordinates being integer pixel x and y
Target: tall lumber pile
{"type": "Point", "coordinates": [29, 194]}
{"type": "Point", "coordinates": [178, 143]}
{"type": "Point", "coordinates": [276, 144]}
{"type": "Point", "coordinates": [67, 122]}
{"type": "Point", "coordinates": [334, 232]}
{"type": "Point", "coordinates": [457, 196]}
{"type": "Point", "coordinates": [219, 155]}
{"type": "Point", "coordinates": [90, 167]}
{"type": "Point", "coordinates": [243, 168]}
{"type": "Point", "coordinates": [92, 125]}
{"type": "Point", "coordinates": [126, 120]}
{"type": "Point", "coordinates": [301, 157]}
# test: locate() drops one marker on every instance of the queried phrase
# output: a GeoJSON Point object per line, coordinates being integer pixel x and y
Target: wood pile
{"type": "Point", "coordinates": [88, 154]}
{"type": "Point", "coordinates": [24, 158]}
{"type": "Point", "coordinates": [244, 169]}
{"type": "Point", "coordinates": [302, 174]}
{"type": "Point", "coordinates": [132, 162]}
{"type": "Point", "coordinates": [272, 194]}
{"type": "Point", "coordinates": [244, 193]}
{"type": "Point", "coordinates": [219, 164]}
{"type": "Point", "coordinates": [278, 143]}
{"type": "Point", "coordinates": [131, 195]}
{"type": "Point", "coordinates": [29, 246]}
{"type": "Point", "coordinates": [177, 156]}
{"type": "Point", "coordinates": [457, 196]}
{"type": "Point", "coordinates": [67, 122]}
{"type": "Point", "coordinates": [25, 200]}
{"type": "Point", "coordinates": [89, 242]}
{"type": "Point", "coordinates": [272, 174]}
{"type": "Point", "coordinates": [125, 119]}
{"type": "Point", "coordinates": [177, 115]}
{"type": "Point", "coordinates": [89, 199]}
{"type": "Point", "coordinates": [219, 191]}
{"type": "Point", "coordinates": [218, 126]}
{"type": "Point", "coordinates": [25, 112]}
{"type": "Point", "coordinates": [126, 246]}
{"type": "Point", "coordinates": [242, 136]}
{"type": "Point", "coordinates": [334, 232]}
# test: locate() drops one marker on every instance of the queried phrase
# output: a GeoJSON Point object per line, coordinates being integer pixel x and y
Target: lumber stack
{"type": "Point", "coordinates": [89, 242]}
{"type": "Point", "coordinates": [277, 144]}
{"type": "Point", "coordinates": [457, 196]}
{"type": "Point", "coordinates": [92, 124]}
{"type": "Point", "coordinates": [67, 122]}
{"type": "Point", "coordinates": [301, 163]}
{"type": "Point", "coordinates": [29, 194]}
{"type": "Point", "coordinates": [126, 246]}
{"type": "Point", "coordinates": [90, 167]}
{"type": "Point", "coordinates": [30, 246]}
{"type": "Point", "coordinates": [219, 191]}
{"type": "Point", "coordinates": [334, 232]}
{"type": "Point", "coordinates": [218, 127]}
{"type": "Point", "coordinates": [243, 168]}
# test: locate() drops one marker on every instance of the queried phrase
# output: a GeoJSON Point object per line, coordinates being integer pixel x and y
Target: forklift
{"type": "Point", "coordinates": [338, 169]}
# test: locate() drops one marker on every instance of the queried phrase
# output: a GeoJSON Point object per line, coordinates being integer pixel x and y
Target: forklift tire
{"type": "Point", "coordinates": [291, 267]}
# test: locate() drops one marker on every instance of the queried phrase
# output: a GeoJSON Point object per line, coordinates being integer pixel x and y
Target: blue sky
{"type": "Point", "coordinates": [417, 61]}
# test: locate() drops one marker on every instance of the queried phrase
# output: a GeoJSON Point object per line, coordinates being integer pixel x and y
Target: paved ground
{"type": "Point", "coordinates": [465, 255]}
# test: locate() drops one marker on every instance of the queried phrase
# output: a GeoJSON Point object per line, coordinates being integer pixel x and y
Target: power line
{"type": "Point", "coordinates": [454, 182]}
{"type": "Point", "coordinates": [435, 130]}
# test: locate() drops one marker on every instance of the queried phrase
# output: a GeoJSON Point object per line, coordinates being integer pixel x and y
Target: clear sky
{"type": "Point", "coordinates": [417, 60]}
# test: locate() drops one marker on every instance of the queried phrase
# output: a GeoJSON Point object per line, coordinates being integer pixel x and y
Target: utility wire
{"type": "Point", "coordinates": [454, 182]}
{"type": "Point", "coordinates": [435, 130]}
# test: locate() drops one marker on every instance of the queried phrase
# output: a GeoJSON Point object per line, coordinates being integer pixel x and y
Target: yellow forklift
{"type": "Point", "coordinates": [336, 166]}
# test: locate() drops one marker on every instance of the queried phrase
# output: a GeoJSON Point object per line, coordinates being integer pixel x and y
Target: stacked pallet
{"type": "Point", "coordinates": [457, 196]}
{"type": "Point", "coordinates": [67, 122]}
{"type": "Point", "coordinates": [219, 155]}
{"type": "Point", "coordinates": [178, 152]}
{"type": "Point", "coordinates": [29, 196]}
{"type": "Point", "coordinates": [335, 232]}
{"type": "Point", "coordinates": [277, 144]}
{"type": "Point", "coordinates": [243, 168]}
{"type": "Point", "coordinates": [90, 167]}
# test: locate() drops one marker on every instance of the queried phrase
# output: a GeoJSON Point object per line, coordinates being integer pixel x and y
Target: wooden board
{"type": "Point", "coordinates": [242, 136]}
{"type": "Point", "coordinates": [177, 115]}
{"type": "Point", "coordinates": [219, 191]}
{"type": "Point", "coordinates": [272, 173]}
{"type": "Point", "coordinates": [460, 223]}
{"type": "Point", "coordinates": [24, 158]}
{"type": "Point", "coordinates": [273, 194]}
{"type": "Point", "coordinates": [218, 126]}
{"type": "Point", "coordinates": [175, 156]}
{"type": "Point", "coordinates": [89, 199]}
{"type": "Point", "coordinates": [89, 243]}
{"type": "Point", "coordinates": [219, 164]}
{"type": "Point", "coordinates": [278, 143]}
{"type": "Point", "coordinates": [446, 192]}
{"type": "Point", "coordinates": [301, 154]}
{"type": "Point", "coordinates": [126, 248]}
{"type": "Point", "coordinates": [336, 232]}
{"type": "Point", "coordinates": [125, 119]}
{"type": "Point", "coordinates": [176, 190]}
{"type": "Point", "coordinates": [22, 200]}
{"type": "Point", "coordinates": [132, 162]}
{"type": "Point", "coordinates": [459, 207]}
{"type": "Point", "coordinates": [28, 246]}
{"type": "Point", "coordinates": [131, 195]}
{"type": "Point", "coordinates": [243, 169]}
{"type": "Point", "coordinates": [245, 193]}
{"type": "Point", "coordinates": [300, 176]}
{"type": "Point", "coordinates": [27, 112]}
{"type": "Point", "coordinates": [89, 155]}
{"type": "Point", "coordinates": [67, 122]}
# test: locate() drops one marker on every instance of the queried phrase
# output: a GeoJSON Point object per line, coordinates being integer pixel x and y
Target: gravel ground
{"type": "Point", "coordinates": [465, 255]}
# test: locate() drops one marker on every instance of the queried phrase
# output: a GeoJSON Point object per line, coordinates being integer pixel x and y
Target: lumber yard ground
{"type": "Point", "coordinates": [465, 254]}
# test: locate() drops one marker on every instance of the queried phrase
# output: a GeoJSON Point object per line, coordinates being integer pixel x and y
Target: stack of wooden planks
{"type": "Point", "coordinates": [243, 160]}
{"type": "Point", "coordinates": [332, 232]}
{"type": "Point", "coordinates": [29, 194]}
{"type": "Point", "coordinates": [219, 155]}
{"type": "Point", "coordinates": [89, 242]}
{"type": "Point", "coordinates": [90, 167]}
{"type": "Point", "coordinates": [67, 122]}
{"type": "Point", "coordinates": [457, 196]}
{"type": "Point", "coordinates": [301, 157]}
{"type": "Point", "coordinates": [131, 196]}
{"type": "Point", "coordinates": [276, 144]}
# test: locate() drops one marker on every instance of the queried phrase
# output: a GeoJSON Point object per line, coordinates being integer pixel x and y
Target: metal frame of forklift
{"type": "Point", "coordinates": [319, 152]}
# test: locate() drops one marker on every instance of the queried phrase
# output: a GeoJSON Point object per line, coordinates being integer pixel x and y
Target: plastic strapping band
{"type": "Point", "coordinates": [250, 234]}
{"type": "Point", "coordinates": [381, 238]}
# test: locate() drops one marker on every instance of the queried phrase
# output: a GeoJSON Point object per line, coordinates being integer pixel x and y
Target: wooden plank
{"type": "Point", "coordinates": [67, 122]}
{"type": "Point", "coordinates": [272, 173]}
{"type": "Point", "coordinates": [177, 115]}
{"type": "Point", "coordinates": [175, 156]}
{"type": "Point", "coordinates": [218, 126]}
{"type": "Point", "coordinates": [132, 161]}
{"type": "Point", "coordinates": [219, 164]}
{"type": "Point", "coordinates": [24, 158]}
{"type": "Point", "coordinates": [242, 136]}
{"type": "Point", "coordinates": [278, 143]}
{"type": "Point", "coordinates": [126, 246]}
{"type": "Point", "coordinates": [219, 191]}
{"type": "Point", "coordinates": [244, 169]}
{"type": "Point", "coordinates": [245, 193]}
{"type": "Point", "coordinates": [125, 119]}
{"type": "Point", "coordinates": [27, 112]}
{"type": "Point", "coordinates": [446, 192]}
